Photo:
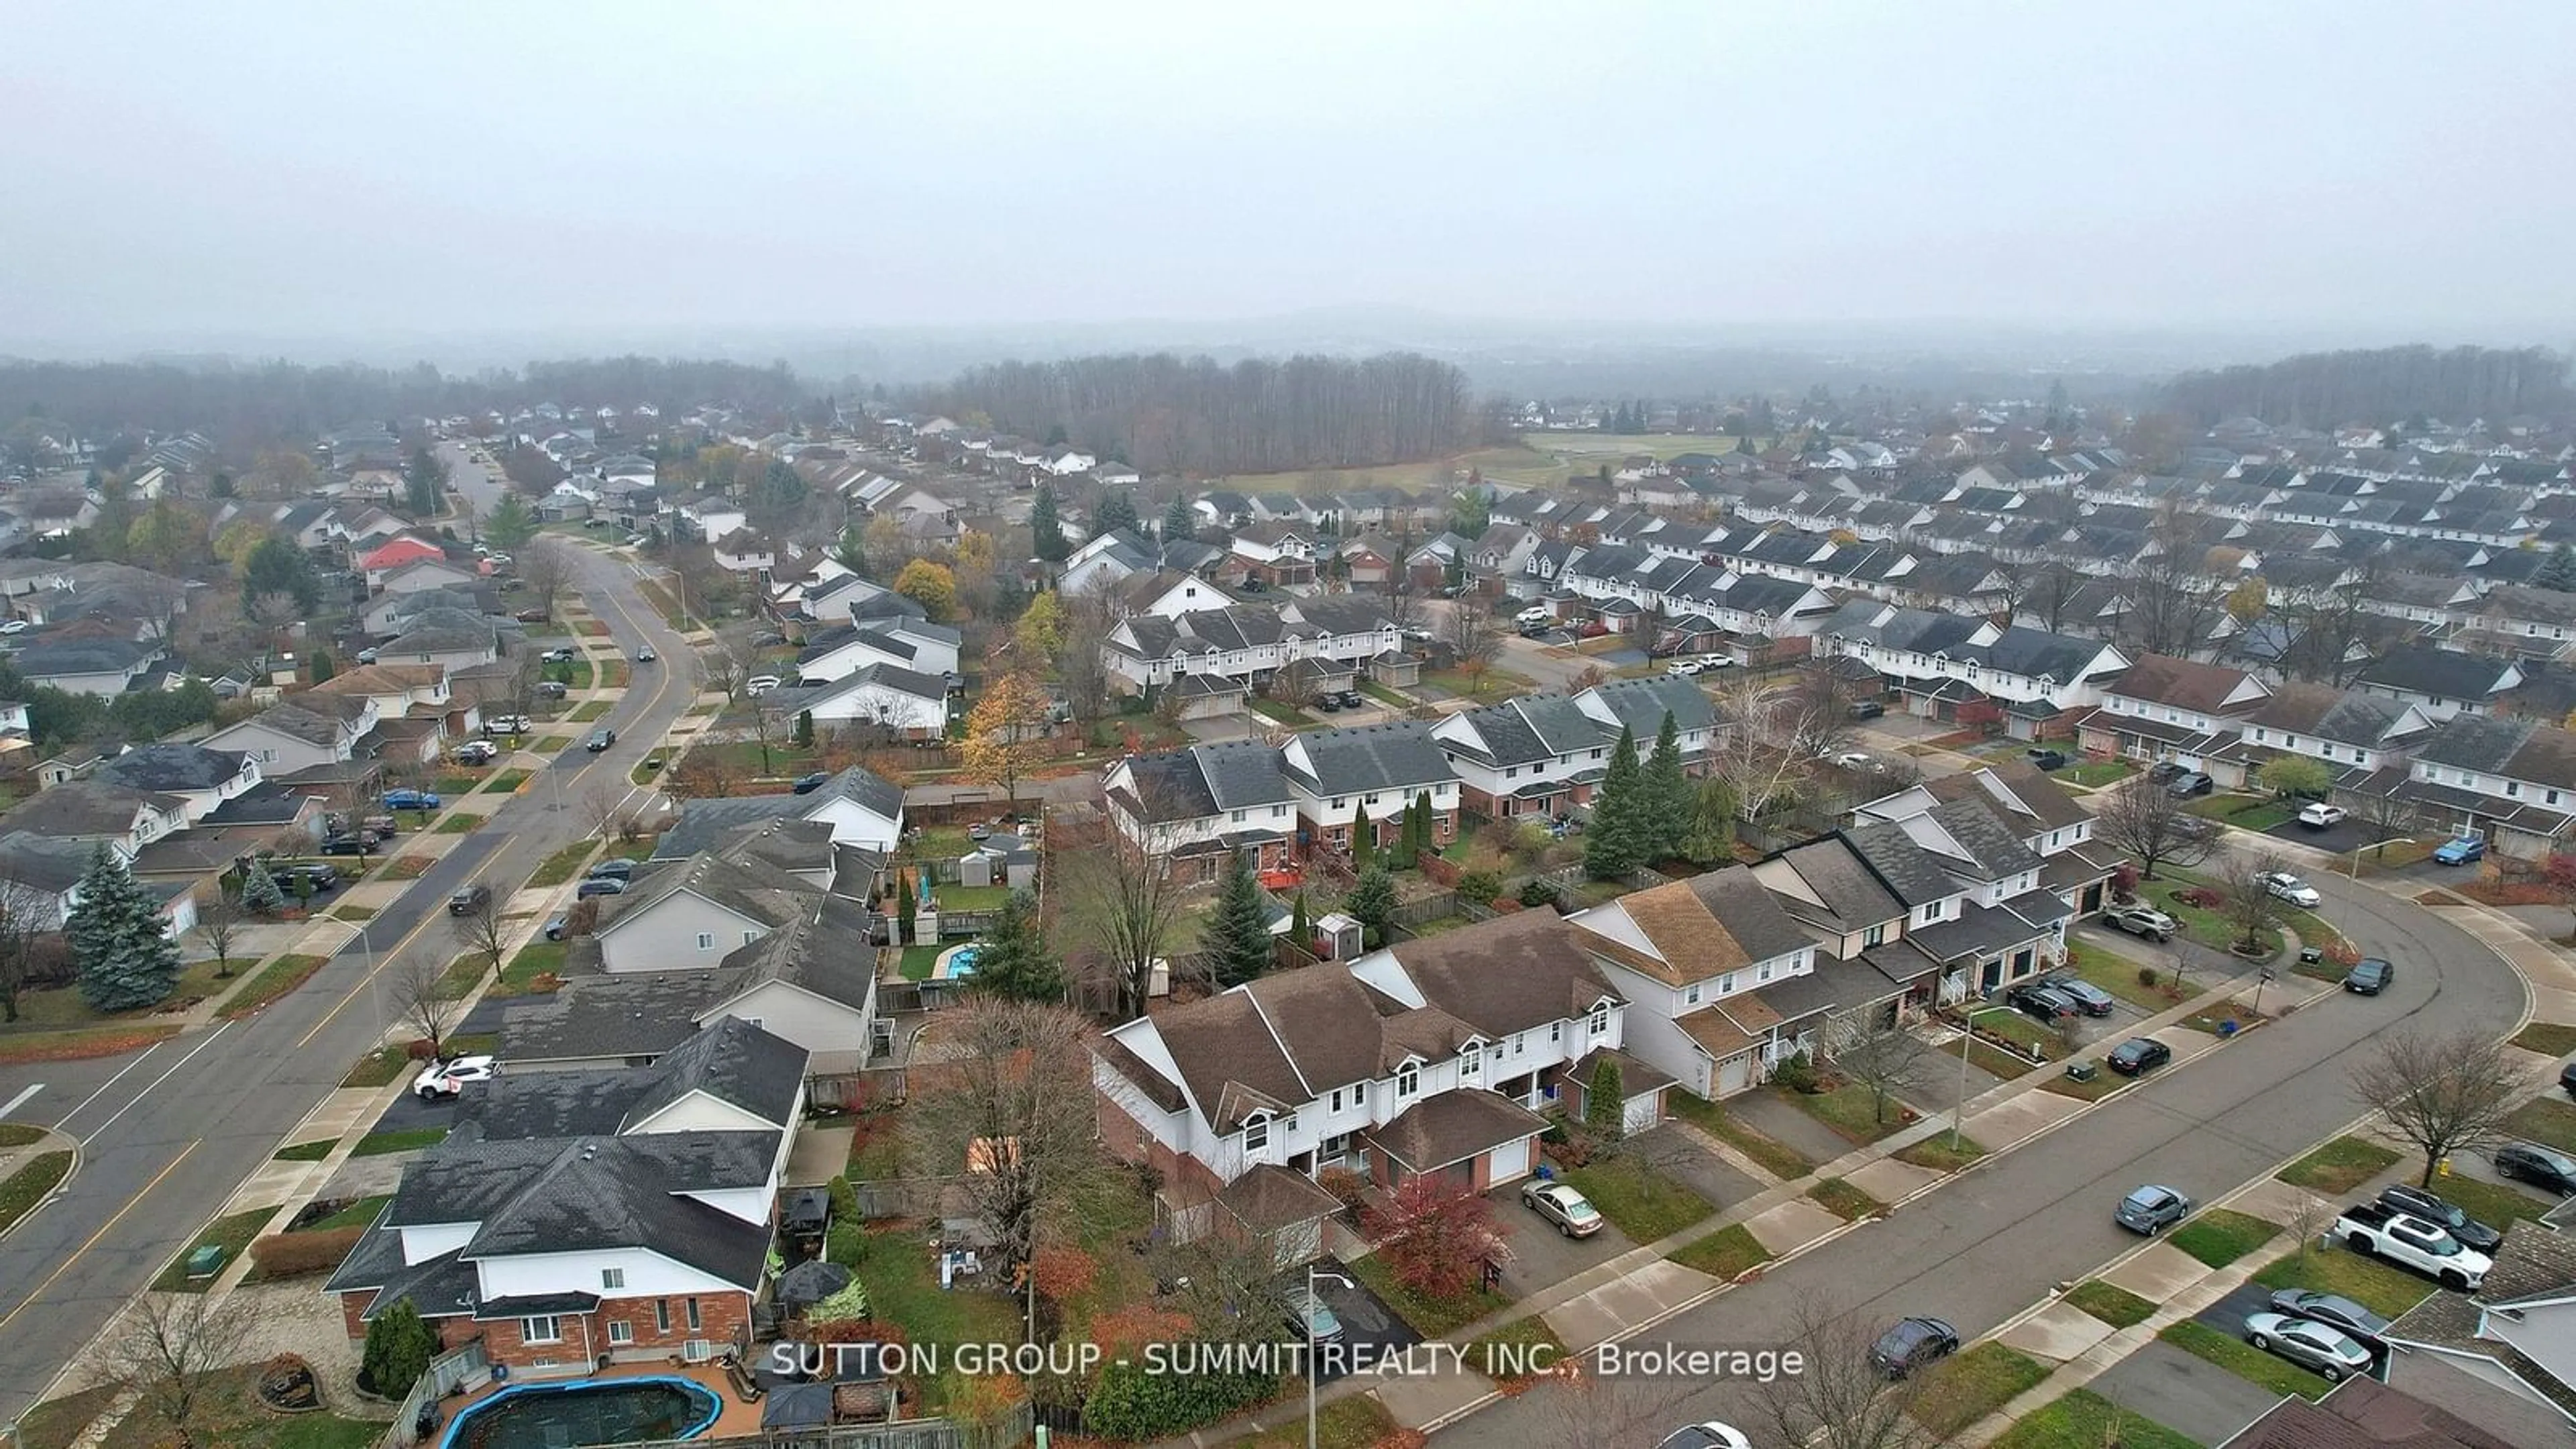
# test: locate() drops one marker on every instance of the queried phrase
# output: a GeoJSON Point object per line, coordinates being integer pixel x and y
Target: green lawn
{"type": "Point", "coordinates": [2545, 1120]}
{"type": "Point", "coordinates": [2103, 1084]}
{"type": "Point", "coordinates": [462, 975]}
{"type": "Point", "coordinates": [973, 898]}
{"type": "Point", "coordinates": [2547, 1038]}
{"type": "Point", "coordinates": [1843, 1200]}
{"type": "Point", "coordinates": [564, 864]}
{"type": "Point", "coordinates": [1725, 1253]}
{"type": "Point", "coordinates": [55, 1423]}
{"type": "Point", "coordinates": [1430, 1317]}
{"type": "Point", "coordinates": [2111, 1303]}
{"type": "Point", "coordinates": [2489, 1202]}
{"type": "Point", "coordinates": [2244, 1360]}
{"type": "Point", "coordinates": [1385, 696]}
{"type": "Point", "coordinates": [353, 913]}
{"type": "Point", "coordinates": [28, 1185]}
{"type": "Point", "coordinates": [918, 961]}
{"type": "Point", "coordinates": [413, 1139]}
{"type": "Point", "coordinates": [274, 980]}
{"type": "Point", "coordinates": [2373, 1284]}
{"type": "Point", "coordinates": [233, 1233]}
{"type": "Point", "coordinates": [306, 1151]}
{"type": "Point", "coordinates": [1638, 1201]}
{"type": "Point", "coordinates": [1937, 1154]}
{"type": "Point", "coordinates": [1850, 1110]}
{"type": "Point", "coordinates": [2209, 928]}
{"type": "Point", "coordinates": [1287, 714]}
{"type": "Point", "coordinates": [2017, 1027]}
{"type": "Point", "coordinates": [585, 713]}
{"type": "Point", "coordinates": [506, 782]}
{"type": "Point", "coordinates": [2339, 1166]}
{"type": "Point", "coordinates": [540, 957]}
{"type": "Point", "coordinates": [356, 1215]}
{"type": "Point", "coordinates": [2221, 1236]}
{"type": "Point", "coordinates": [2246, 812]}
{"type": "Point", "coordinates": [1967, 1388]}
{"type": "Point", "coordinates": [20, 1134]}
{"type": "Point", "coordinates": [2084, 1417]}
{"type": "Point", "coordinates": [1491, 683]}
{"type": "Point", "coordinates": [2094, 774]}
{"type": "Point", "coordinates": [457, 822]}
{"type": "Point", "coordinates": [377, 1068]}
{"type": "Point", "coordinates": [1357, 1422]}
{"type": "Point", "coordinates": [2117, 974]}
{"type": "Point", "coordinates": [1776, 1157]}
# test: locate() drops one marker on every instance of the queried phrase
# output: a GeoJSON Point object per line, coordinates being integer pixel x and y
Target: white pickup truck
{"type": "Point", "coordinates": [2376, 1231]}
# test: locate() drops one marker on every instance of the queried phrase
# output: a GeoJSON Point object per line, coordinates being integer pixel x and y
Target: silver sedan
{"type": "Point", "coordinates": [2330, 1351]}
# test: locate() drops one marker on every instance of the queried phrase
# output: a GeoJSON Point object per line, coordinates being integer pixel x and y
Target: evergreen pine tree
{"type": "Point", "coordinates": [1178, 521]}
{"type": "Point", "coordinates": [905, 907]}
{"type": "Point", "coordinates": [1046, 528]}
{"type": "Point", "coordinates": [399, 1347]}
{"type": "Point", "coordinates": [1425, 828]}
{"type": "Point", "coordinates": [1668, 801]}
{"type": "Point", "coordinates": [323, 668]}
{"type": "Point", "coordinates": [1301, 925]}
{"type": "Point", "coordinates": [1117, 510]}
{"type": "Point", "coordinates": [1605, 1100]}
{"type": "Point", "coordinates": [1372, 904]}
{"type": "Point", "coordinates": [804, 729]}
{"type": "Point", "coordinates": [124, 959]}
{"type": "Point", "coordinates": [1710, 840]}
{"type": "Point", "coordinates": [260, 895]}
{"type": "Point", "coordinates": [1238, 938]}
{"type": "Point", "coordinates": [1613, 841]}
{"type": "Point", "coordinates": [1363, 839]}
{"type": "Point", "coordinates": [2558, 571]}
{"type": "Point", "coordinates": [1015, 960]}
{"type": "Point", "coordinates": [1408, 844]}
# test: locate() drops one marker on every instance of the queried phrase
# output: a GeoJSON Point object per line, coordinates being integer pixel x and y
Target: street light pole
{"type": "Point", "coordinates": [1313, 1372]}
{"type": "Point", "coordinates": [1967, 1034]}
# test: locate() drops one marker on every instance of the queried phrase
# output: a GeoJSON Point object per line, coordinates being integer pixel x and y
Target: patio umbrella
{"type": "Point", "coordinates": [807, 1284]}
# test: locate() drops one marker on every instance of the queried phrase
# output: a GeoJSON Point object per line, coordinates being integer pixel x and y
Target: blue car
{"type": "Point", "coordinates": [410, 800]}
{"type": "Point", "coordinates": [2460, 851]}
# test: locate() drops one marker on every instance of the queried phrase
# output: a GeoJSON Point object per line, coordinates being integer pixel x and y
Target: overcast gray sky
{"type": "Point", "coordinates": [175, 172]}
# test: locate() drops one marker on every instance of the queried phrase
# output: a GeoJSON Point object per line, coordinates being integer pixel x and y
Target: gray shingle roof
{"type": "Point", "coordinates": [1911, 872]}
{"type": "Point", "coordinates": [1368, 758]}
{"type": "Point", "coordinates": [1995, 848]}
{"type": "Point", "coordinates": [767, 898]}
{"type": "Point", "coordinates": [173, 767]}
{"type": "Point", "coordinates": [2436, 673]}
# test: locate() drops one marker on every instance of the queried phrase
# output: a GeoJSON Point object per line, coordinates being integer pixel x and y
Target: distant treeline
{"type": "Point", "coordinates": [2388, 385]}
{"type": "Point", "coordinates": [255, 402]}
{"type": "Point", "coordinates": [1161, 413]}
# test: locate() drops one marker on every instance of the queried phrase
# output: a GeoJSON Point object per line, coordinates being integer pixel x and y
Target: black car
{"type": "Point", "coordinates": [600, 739]}
{"type": "Point", "coordinates": [2540, 1166]}
{"type": "Point", "coordinates": [611, 870]}
{"type": "Point", "coordinates": [2369, 976]}
{"type": "Point", "coordinates": [808, 784]}
{"type": "Point", "coordinates": [2162, 771]}
{"type": "Point", "coordinates": [2334, 1311]}
{"type": "Point", "coordinates": [1329, 703]}
{"type": "Point", "coordinates": [2138, 1056]}
{"type": "Point", "coordinates": [2190, 783]}
{"type": "Point", "coordinates": [349, 845]}
{"type": "Point", "coordinates": [1912, 1344]}
{"type": "Point", "coordinates": [323, 877]}
{"type": "Point", "coordinates": [1866, 709]}
{"type": "Point", "coordinates": [599, 885]}
{"type": "Point", "coordinates": [2047, 759]}
{"type": "Point", "coordinates": [2567, 1078]}
{"type": "Point", "coordinates": [1350, 698]}
{"type": "Point", "coordinates": [2043, 1004]}
{"type": "Point", "coordinates": [2416, 1202]}
{"type": "Point", "coordinates": [469, 900]}
{"type": "Point", "coordinates": [2091, 998]}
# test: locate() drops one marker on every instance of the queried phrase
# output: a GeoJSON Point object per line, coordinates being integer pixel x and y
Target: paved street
{"type": "Point", "coordinates": [168, 1134]}
{"type": "Point", "coordinates": [1993, 1241]}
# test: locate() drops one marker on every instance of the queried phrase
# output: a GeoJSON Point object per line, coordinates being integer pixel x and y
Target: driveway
{"type": "Point", "coordinates": [2188, 1395]}
{"type": "Point", "coordinates": [2352, 834]}
{"type": "Point", "coordinates": [1540, 1254]}
{"type": "Point", "coordinates": [1365, 1317]}
{"type": "Point", "coordinates": [1773, 1115]}
{"type": "Point", "coordinates": [1680, 1156]}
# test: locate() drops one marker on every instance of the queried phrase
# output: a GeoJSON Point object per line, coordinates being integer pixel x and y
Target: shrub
{"type": "Point", "coordinates": [399, 1348]}
{"type": "Point", "coordinates": [1480, 886]}
{"type": "Point", "coordinates": [844, 1243]}
{"type": "Point", "coordinates": [1346, 1186]}
{"type": "Point", "coordinates": [1798, 1074]}
{"type": "Point", "coordinates": [286, 1255]}
{"type": "Point", "coordinates": [1129, 1403]}
{"type": "Point", "coordinates": [1538, 893]}
{"type": "Point", "coordinates": [845, 1200]}
{"type": "Point", "coordinates": [2146, 976]}
{"type": "Point", "coordinates": [2124, 883]}
{"type": "Point", "coordinates": [419, 1049]}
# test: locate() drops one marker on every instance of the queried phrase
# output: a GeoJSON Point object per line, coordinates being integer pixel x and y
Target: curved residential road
{"type": "Point", "coordinates": [168, 1134]}
{"type": "Point", "coordinates": [1995, 1240]}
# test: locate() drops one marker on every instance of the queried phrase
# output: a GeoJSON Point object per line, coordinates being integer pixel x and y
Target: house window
{"type": "Point", "coordinates": [661, 1315]}
{"type": "Point", "coordinates": [546, 1329]}
{"type": "Point", "coordinates": [1597, 754]}
{"type": "Point", "coordinates": [621, 1332]}
{"type": "Point", "coordinates": [2513, 789]}
{"type": "Point", "coordinates": [611, 1279]}
{"type": "Point", "coordinates": [750, 936]}
{"type": "Point", "coordinates": [706, 940]}
{"type": "Point", "coordinates": [1256, 1134]}
{"type": "Point", "coordinates": [1408, 1080]}
{"type": "Point", "coordinates": [1763, 973]}
{"type": "Point", "coordinates": [694, 1322]}
{"type": "Point", "coordinates": [1601, 1019]}
{"type": "Point", "coordinates": [1692, 996]}
{"type": "Point", "coordinates": [1874, 936]}
{"type": "Point", "coordinates": [1555, 1032]}
{"type": "Point", "coordinates": [1471, 1062]}
{"type": "Point", "coordinates": [1238, 817]}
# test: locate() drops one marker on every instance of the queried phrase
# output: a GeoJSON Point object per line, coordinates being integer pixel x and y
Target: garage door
{"type": "Point", "coordinates": [1508, 1163]}
{"type": "Point", "coordinates": [1644, 1111]}
{"type": "Point", "coordinates": [1735, 1074]}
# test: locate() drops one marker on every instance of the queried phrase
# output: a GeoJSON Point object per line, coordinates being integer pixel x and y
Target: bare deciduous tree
{"type": "Point", "coordinates": [546, 569]}
{"type": "Point", "coordinates": [1876, 1051]}
{"type": "Point", "coordinates": [1758, 746]}
{"type": "Point", "coordinates": [1841, 1400]}
{"type": "Point", "coordinates": [219, 920]}
{"type": "Point", "coordinates": [1818, 708]}
{"type": "Point", "coordinates": [1082, 671]}
{"type": "Point", "coordinates": [1126, 901]}
{"type": "Point", "coordinates": [1472, 633]}
{"type": "Point", "coordinates": [2390, 815]}
{"type": "Point", "coordinates": [418, 980]}
{"type": "Point", "coordinates": [26, 913]}
{"type": "Point", "coordinates": [1009, 1119]}
{"type": "Point", "coordinates": [172, 1350]}
{"type": "Point", "coordinates": [2251, 908]}
{"type": "Point", "coordinates": [2173, 603]}
{"type": "Point", "coordinates": [601, 806]}
{"type": "Point", "coordinates": [2442, 1093]}
{"type": "Point", "coordinates": [2144, 821]}
{"type": "Point", "coordinates": [728, 665]}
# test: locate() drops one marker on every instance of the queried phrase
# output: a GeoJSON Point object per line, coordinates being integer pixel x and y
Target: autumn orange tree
{"type": "Point", "coordinates": [1436, 1234]}
{"type": "Point", "coordinates": [931, 585]}
{"type": "Point", "coordinates": [1005, 733]}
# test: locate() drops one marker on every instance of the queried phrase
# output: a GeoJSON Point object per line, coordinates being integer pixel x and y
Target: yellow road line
{"type": "Point", "coordinates": [103, 1230]}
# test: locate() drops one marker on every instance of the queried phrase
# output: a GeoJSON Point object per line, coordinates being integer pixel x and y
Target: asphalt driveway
{"type": "Point", "coordinates": [1540, 1254]}
{"type": "Point", "coordinates": [1680, 1156]}
{"type": "Point", "coordinates": [1775, 1116]}
{"type": "Point", "coordinates": [2189, 1395]}
{"type": "Point", "coordinates": [1366, 1320]}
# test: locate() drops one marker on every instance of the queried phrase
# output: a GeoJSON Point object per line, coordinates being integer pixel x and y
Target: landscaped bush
{"type": "Point", "coordinates": [1129, 1403]}
{"type": "Point", "coordinates": [2146, 976]}
{"type": "Point", "coordinates": [285, 1255]}
{"type": "Point", "coordinates": [419, 1049]}
{"type": "Point", "coordinates": [1480, 886]}
{"type": "Point", "coordinates": [1798, 1074]}
{"type": "Point", "coordinates": [1348, 1187]}
{"type": "Point", "coordinates": [1538, 893]}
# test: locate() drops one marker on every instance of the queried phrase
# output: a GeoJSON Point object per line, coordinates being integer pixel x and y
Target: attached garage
{"type": "Point", "coordinates": [1483, 1138]}
{"type": "Point", "coordinates": [1641, 1083]}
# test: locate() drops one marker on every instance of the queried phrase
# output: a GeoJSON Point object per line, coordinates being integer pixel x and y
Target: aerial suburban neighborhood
{"type": "Point", "coordinates": [851, 731]}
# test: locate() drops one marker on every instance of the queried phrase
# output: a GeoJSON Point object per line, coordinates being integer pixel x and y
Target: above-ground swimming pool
{"type": "Point", "coordinates": [584, 1412]}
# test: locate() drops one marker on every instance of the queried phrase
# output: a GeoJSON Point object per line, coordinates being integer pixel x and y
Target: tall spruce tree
{"type": "Point", "coordinates": [1605, 1100]}
{"type": "Point", "coordinates": [125, 960]}
{"type": "Point", "coordinates": [1372, 904]}
{"type": "Point", "coordinates": [1046, 529]}
{"type": "Point", "coordinates": [1117, 510]}
{"type": "Point", "coordinates": [1238, 939]}
{"type": "Point", "coordinates": [1178, 521]}
{"type": "Point", "coordinates": [1301, 925]}
{"type": "Point", "coordinates": [1015, 960]}
{"type": "Point", "coordinates": [260, 893]}
{"type": "Point", "coordinates": [1363, 839]}
{"type": "Point", "coordinates": [1615, 839]}
{"type": "Point", "coordinates": [1668, 795]}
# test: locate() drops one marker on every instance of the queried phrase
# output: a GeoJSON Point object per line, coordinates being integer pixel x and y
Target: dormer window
{"type": "Point", "coordinates": [1471, 1062]}
{"type": "Point", "coordinates": [1601, 1019]}
{"type": "Point", "coordinates": [1256, 1134]}
{"type": "Point", "coordinates": [1408, 1081]}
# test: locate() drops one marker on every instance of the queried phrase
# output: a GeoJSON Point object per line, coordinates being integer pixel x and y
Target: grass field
{"type": "Point", "coordinates": [1725, 1253]}
{"type": "Point", "coordinates": [595, 709]}
{"type": "Point", "coordinates": [2221, 1236]}
{"type": "Point", "coordinates": [380, 1144]}
{"type": "Point", "coordinates": [2367, 1281]}
{"type": "Point", "coordinates": [1974, 1384]}
{"type": "Point", "coordinates": [2545, 1120]}
{"type": "Point", "coordinates": [233, 1233]}
{"type": "Point", "coordinates": [2097, 773]}
{"type": "Point", "coordinates": [1638, 1200]}
{"type": "Point", "coordinates": [2339, 1166]}
{"type": "Point", "coordinates": [918, 961]}
{"type": "Point", "coordinates": [1430, 1317]}
{"type": "Point", "coordinates": [305, 1151]}
{"type": "Point", "coordinates": [274, 980]}
{"type": "Point", "coordinates": [1937, 1154]}
{"type": "Point", "coordinates": [1851, 1111]}
{"type": "Point", "coordinates": [1843, 1200]}
{"type": "Point", "coordinates": [2547, 1038]}
{"type": "Point", "coordinates": [2117, 974]}
{"type": "Point", "coordinates": [2244, 1360]}
{"type": "Point", "coordinates": [1776, 1157]}
{"type": "Point", "coordinates": [459, 823]}
{"type": "Point", "coordinates": [564, 864]}
{"type": "Point", "coordinates": [2085, 1417]}
{"type": "Point", "coordinates": [375, 1069]}
{"type": "Point", "coordinates": [537, 958]}
{"type": "Point", "coordinates": [28, 1185]}
{"type": "Point", "coordinates": [2112, 1304]}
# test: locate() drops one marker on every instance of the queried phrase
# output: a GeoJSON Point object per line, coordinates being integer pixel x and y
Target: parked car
{"type": "Point", "coordinates": [1717, 661]}
{"type": "Point", "coordinates": [979, 831]}
{"type": "Point", "coordinates": [552, 689]}
{"type": "Point", "coordinates": [2334, 1311]}
{"type": "Point", "coordinates": [2144, 921]}
{"type": "Point", "coordinates": [2463, 850]}
{"type": "Point", "coordinates": [367, 656]}
{"type": "Point", "coordinates": [560, 654]}
{"type": "Point", "coordinates": [618, 869]}
{"type": "Point", "coordinates": [506, 724]}
{"type": "Point", "coordinates": [2540, 1166]}
{"type": "Point", "coordinates": [2416, 1202]}
{"type": "Point", "coordinates": [1912, 1344]}
{"type": "Point", "coordinates": [2369, 976]}
{"type": "Point", "coordinates": [469, 900]}
{"type": "Point", "coordinates": [411, 800]}
{"type": "Point", "coordinates": [1571, 1212]}
{"type": "Point", "coordinates": [1855, 760]}
{"type": "Point", "coordinates": [2138, 1056]}
{"type": "Point", "coordinates": [600, 739]}
{"type": "Point", "coordinates": [557, 925]}
{"type": "Point", "coordinates": [476, 752]}
{"type": "Point", "coordinates": [2043, 1003]}
{"type": "Point", "coordinates": [2318, 815]}
{"type": "Point", "coordinates": [646, 655]}
{"type": "Point", "coordinates": [1711, 1435]}
{"type": "Point", "coordinates": [1866, 709]}
{"type": "Point", "coordinates": [1684, 667]}
{"type": "Point", "coordinates": [2151, 1210]}
{"type": "Point", "coordinates": [360, 844]}
{"type": "Point", "coordinates": [319, 872]}
{"type": "Point", "coordinates": [1311, 1316]}
{"type": "Point", "coordinates": [1328, 703]}
{"type": "Point", "coordinates": [2411, 1242]}
{"type": "Point", "coordinates": [1535, 614]}
{"type": "Point", "coordinates": [1350, 698]}
{"type": "Point", "coordinates": [808, 784]}
{"type": "Point", "coordinates": [2091, 999]}
{"type": "Point", "coordinates": [2190, 783]}
{"type": "Point", "coordinates": [2046, 759]}
{"type": "Point", "coordinates": [446, 1079]}
{"type": "Point", "coordinates": [599, 885]}
{"type": "Point", "coordinates": [760, 684]}
{"type": "Point", "coordinates": [2282, 885]}
{"type": "Point", "coordinates": [530, 616]}
{"type": "Point", "coordinates": [2331, 1352]}
{"type": "Point", "coordinates": [2567, 1078]}
{"type": "Point", "coordinates": [14, 626]}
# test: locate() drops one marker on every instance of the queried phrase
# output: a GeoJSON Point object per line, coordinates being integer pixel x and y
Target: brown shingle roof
{"type": "Point", "coordinates": [1703, 927]}
{"type": "Point", "coordinates": [2362, 1414]}
{"type": "Point", "coordinates": [2182, 683]}
{"type": "Point", "coordinates": [1512, 973]}
{"type": "Point", "coordinates": [1270, 1197]}
{"type": "Point", "coordinates": [1454, 1126]}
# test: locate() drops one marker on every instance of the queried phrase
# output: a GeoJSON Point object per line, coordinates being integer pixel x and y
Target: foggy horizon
{"type": "Point", "coordinates": [480, 181]}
